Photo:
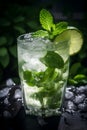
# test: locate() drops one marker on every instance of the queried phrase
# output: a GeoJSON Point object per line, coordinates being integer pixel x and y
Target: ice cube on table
{"type": "Point", "coordinates": [6, 101]}
{"type": "Point", "coordinates": [72, 122]}
{"type": "Point", "coordinates": [10, 82]}
{"type": "Point", "coordinates": [4, 92]}
{"type": "Point", "coordinates": [82, 107]}
{"type": "Point", "coordinates": [18, 93]}
{"type": "Point", "coordinates": [79, 98]}
{"type": "Point", "coordinates": [71, 105]}
{"type": "Point", "coordinates": [69, 95]}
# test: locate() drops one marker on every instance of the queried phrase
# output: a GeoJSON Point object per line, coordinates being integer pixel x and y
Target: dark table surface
{"type": "Point", "coordinates": [22, 122]}
{"type": "Point", "coordinates": [13, 117]}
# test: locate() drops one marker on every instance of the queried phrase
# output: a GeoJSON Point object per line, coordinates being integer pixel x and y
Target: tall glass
{"type": "Point", "coordinates": [43, 70]}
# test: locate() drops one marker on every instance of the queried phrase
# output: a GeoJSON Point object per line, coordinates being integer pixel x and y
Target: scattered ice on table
{"type": "Point", "coordinates": [85, 100]}
{"type": "Point", "coordinates": [4, 92]}
{"type": "Point", "coordinates": [68, 89]}
{"type": "Point", "coordinates": [82, 107]}
{"type": "Point", "coordinates": [18, 93]}
{"type": "Point", "coordinates": [79, 98]}
{"type": "Point", "coordinates": [9, 82]}
{"type": "Point", "coordinates": [72, 122]}
{"type": "Point", "coordinates": [71, 88]}
{"type": "Point", "coordinates": [80, 89]}
{"type": "Point", "coordinates": [71, 105]}
{"type": "Point", "coordinates": [69, 95]}
{"type": "Point", "coordinates": [6, 101]}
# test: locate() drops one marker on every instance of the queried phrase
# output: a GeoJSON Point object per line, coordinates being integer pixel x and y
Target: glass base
{"type": "Point", "coordinates": [42, 112]}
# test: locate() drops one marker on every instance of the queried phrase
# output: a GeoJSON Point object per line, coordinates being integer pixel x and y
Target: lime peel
{"type": "Point", "coordinates": [75, 38]}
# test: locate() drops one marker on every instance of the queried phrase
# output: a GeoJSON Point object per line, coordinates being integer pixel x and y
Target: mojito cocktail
{"type": "Point", "coordinates": [43, 60]}
{"type": "Point", "coordinates": [43, 70]}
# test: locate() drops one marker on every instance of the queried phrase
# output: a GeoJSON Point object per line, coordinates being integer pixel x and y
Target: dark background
{"type": "Point", "coordinates": [18, 17]}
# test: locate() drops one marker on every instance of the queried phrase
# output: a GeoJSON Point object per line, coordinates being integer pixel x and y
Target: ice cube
{"type": "Point", "coordinates": [34, 64]}
{"type": "Point", "coordinates": [69, 95]}
{"type": "Point", "coordinates": [4, 92]}
{"type": "Point", "coordinates": [6, 101]}
{"type": "Point", "coordinates": [27, 36]}
{"type": "Point", "coordinates": [79, 98]}
{"type": "Point", "coordinates": [18, 94]}
{"type": "Point", "coordinates": [71, 88]}
{"type": "Point", "coordinates": [9, 82]}
{"type": "Point", "coordinates": [72, 122]}
{"type": "Point", "coordinates": [71, 105]}
{"type": "Point", "coordinates": [80, 89]}
{"type": "Point", "coordinates": [82, 107]}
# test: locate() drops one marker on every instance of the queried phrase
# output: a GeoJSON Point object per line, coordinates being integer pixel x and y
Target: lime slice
{"type": "Point", "coordinates": [74, 36]}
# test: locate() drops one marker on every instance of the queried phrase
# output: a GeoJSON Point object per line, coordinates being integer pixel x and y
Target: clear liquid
{"type": "Point", "coordinates": [43, 87]}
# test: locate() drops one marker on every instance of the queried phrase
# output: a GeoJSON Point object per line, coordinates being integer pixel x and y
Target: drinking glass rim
{"type": "Point", "coordinates": [26, 36]}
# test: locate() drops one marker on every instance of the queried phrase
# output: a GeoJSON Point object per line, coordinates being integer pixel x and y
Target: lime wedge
{"type": "Point", "coordinates": [74, 36]}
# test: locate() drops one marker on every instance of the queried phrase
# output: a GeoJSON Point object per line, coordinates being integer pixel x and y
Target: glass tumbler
{"type": "Point", "coordinates": [43, 71]}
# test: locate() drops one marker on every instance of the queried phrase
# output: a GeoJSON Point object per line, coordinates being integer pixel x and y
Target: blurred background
{"type": "Point", "coordinates": [18, 17]}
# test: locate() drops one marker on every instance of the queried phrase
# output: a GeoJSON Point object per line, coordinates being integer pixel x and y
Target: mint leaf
{"type": "Point", "coordinates": [46, 19]}
{"type": "Point", "coordinates": [33, 78]}
{"type": "Point", "coordinates": [29, 79]}
{"type": "Point", "coordinates": [52, 29]}
{"type": "Point", "coordinates": [50, 76]}
{"type": "Point", "coordinates": [40, 33]}
{"type": "Point", "coordinates": [80, 78]}
{"type": "Point", "coordinates": [53, 60]}
{"type": "Point", "coordinates": [60, 27]}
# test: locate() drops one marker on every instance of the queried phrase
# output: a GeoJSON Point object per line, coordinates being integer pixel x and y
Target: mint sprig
{"type": "Point", "coordinates": [46, 19]}
{"type": "Point", "coordinates": [50, 29]}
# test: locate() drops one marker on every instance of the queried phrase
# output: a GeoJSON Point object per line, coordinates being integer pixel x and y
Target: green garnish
{"type": "Point", "coordinates": [53, 60]}
{"type": "Point", "coordinates": [50, 29]}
